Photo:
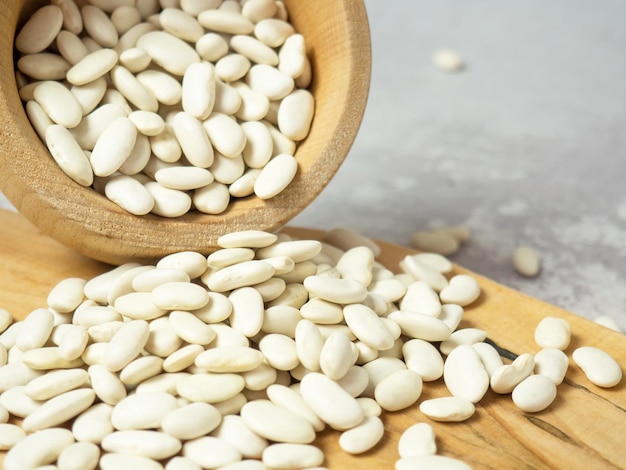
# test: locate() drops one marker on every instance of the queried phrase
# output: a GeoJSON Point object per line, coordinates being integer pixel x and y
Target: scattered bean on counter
{"type": "Point", "coordinates": [168, 108]}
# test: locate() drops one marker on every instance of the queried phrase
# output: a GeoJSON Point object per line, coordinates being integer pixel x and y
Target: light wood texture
{"type": "Point", "coordinates": [338, 42]}
{"type": "Point", "coordinates": [583, 429]}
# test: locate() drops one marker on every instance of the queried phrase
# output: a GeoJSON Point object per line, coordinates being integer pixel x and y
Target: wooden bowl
{"type": "Point", "coordinates": [338, 42]}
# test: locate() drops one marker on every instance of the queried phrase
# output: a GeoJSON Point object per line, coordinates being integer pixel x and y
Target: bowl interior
{"type": "Point", "coordinates": [338, 42]}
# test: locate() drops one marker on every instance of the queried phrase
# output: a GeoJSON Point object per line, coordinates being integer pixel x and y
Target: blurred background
{"type": "Point", "coordinates": [525, 145]}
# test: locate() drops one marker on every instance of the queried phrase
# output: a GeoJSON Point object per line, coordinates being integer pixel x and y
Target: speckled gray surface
{"type": "Point", "coordinates": [526, 145]}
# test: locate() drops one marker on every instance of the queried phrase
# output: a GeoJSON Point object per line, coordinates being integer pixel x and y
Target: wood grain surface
{"type": "Point", "coordinates": [583, 429]}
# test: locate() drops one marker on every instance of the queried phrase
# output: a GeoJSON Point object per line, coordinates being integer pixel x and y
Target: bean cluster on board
{"type": "Point", "coordinates": [237, 360]}
{"type": "Point", "coordinates": [166, 107]}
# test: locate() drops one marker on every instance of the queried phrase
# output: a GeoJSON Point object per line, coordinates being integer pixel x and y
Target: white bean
{"type": "Point", "coordinates": [191, 421]}
{"type": "Point", "coordinates": [599, 367]}
{"type": "Point", "coordinates": [225, 134]}
{"type": "Point", "coordinates": [417, 440]}
{"type": "Point", "coordinates": [526, 261]}
{"type": "Point", "coordinates": [180, 24]}
{"type": "Point", "coordinates": [59, 409]}
{"type": "Point", "coordinates": [168, 51]}
{"type": "Point", "coordinates": [421, 297]}
{"type": "Point", "coordinates": [225, 22]}
{"type": "Point", "coordinates": [534, 393]}
{"type": "Point", "coordinates": [489, 356]}
{"type": "Point", "coordinates": [80, 455]}
{"type": "Point", "coordinates": [59, 103]}
{"type": "Point", "coordinates": [273, 31]}
{"type": "Point", "coordinates": [36, 329]}
{"type": "Point", "coordinates": [113, 147]}
{"type": "Point", "coordinates": [10, 434]}
{"type": "Point", "coordinates": [17, 403]}
{"type": "Point", "coordinates": [292, 56]}
{"type": "Point", "coordinates": [254, 49]}
{"type": "Point", "coordinates": [279, 351]}
{"type": "Point", "coordinates": [92, 66]}
{"type": "Point", "coordinates": [421, 271]}
{"type": "Point", "coordinates": [107, 385]}
{"type": "Point", "coordinates": [398, 390]}
{"type": "Point", "coordinates": [199, 85]}
{"type": "Point", "coordinates": [421, 326]}
{"type": "Point", "coordinates": [435, 242]}
{"type": "Point", "coordinates": [184, 178]}
{"type": "Point", "coordinates": [289, 455]}
{"type": "Point", "coordinates": [505, 378]}
{"type": "Point", "coordinates": [422, 357]}
{"type": "Point", "coordinates": [462, 290]}
{"type": "Point", "coordinates": [126, 344]}
{"type": "Point", "coordinates": [463, 336]}
{"type": "Point", "coordinates": [254, 105]}
{"type": "Point", "coordinates": [54, 383]}
{"type": "Point", "coordinates": [270, 81]}
{"type": "Point", "coordinates": [447, 60]}
{"type": "Point", "coordinates": [229, 359]}
{"type": "Point", "coordinates": [212, 198]}
{"type": "Point", "coordinates": [336, 355]}
{"type": "Point", "coordinates": [93, 424]}
{"type": "Point", "coordinates": [168, 202]}
{"type": "Point", "coordinates": [211, 452]}
{"type": "Point", "coordinates": [212, 47]}
{"type": "Point", "coordinates": [330, 402]}
{"type": "Point", "coordinates": [143, 443]}
{"type": "Point", "coordinates": [210, 387]}
{"type": "Point", "coordinates": [163, 86]}
{"type": "Point", "coordinates": [129, 194]}
{"type": "Point", "coordinates": [142, 410]}
{"type": "Point", "coordinates": [141, 369]}
{"type": "Point", "coordinates": [43, 66]}
{"type": "Point", "coordinates": [40, 448]}
{"type": "Point", "coordinates": [295, 114]}
{"type": "Point", "coordinates": [464, 374]}
{"type": "Point", "coordinates": [135, 59]}
{"type": "Point", "coordinates": [68, 154]}
{"type": "Point", "coordinates": [236, 432]}
{"type": "Point", "coordinates": [94, 123]}
{"type": "Point", "coordinates": [553, 332]}
{"type": "Point", "coordinates": [133, 90]}
{"type": "Point", "coordinates": [40, 30]}
{"type": "Point", "coordinates": [98, 25]}
{"type": "Point", "coordinates": [277, 424]}
{"type": "Point", "coordinates": [447, 408]}
{"type": "Point", "coordinates": [243, 274]}
{"type": "Point", "coordinates": [552, 363]}
{"type": "Point", "coordinates": [191, 262]}
{"type": "Point", "coordinates": [281, 319]}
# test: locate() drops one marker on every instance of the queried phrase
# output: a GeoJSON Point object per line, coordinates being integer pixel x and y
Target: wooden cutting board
{"type": "Point", "coordinates": [585, 427]}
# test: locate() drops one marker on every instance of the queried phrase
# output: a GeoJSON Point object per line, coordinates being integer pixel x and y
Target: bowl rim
{"type": "Point", "coordinates": [91, 224]}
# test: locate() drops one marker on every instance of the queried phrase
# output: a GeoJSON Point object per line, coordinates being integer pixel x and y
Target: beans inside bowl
{"type": "Point", "coordinates": [74, 212]}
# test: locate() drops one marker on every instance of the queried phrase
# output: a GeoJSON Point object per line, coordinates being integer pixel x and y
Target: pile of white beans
{"type": "Point", "coordinates": [238, 359]}
{"type": "Point", "coordinates": [168, 106]}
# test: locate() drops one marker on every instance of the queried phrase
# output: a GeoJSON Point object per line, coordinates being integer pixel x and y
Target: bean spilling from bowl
{"type": "Point", "coordinates": [242, 357]}
{"type": "Point", "coordinates": [167, 110]}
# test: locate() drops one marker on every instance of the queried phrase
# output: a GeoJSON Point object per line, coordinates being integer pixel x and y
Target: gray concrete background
{"type": "Point", "coordinates": [526, 145]}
